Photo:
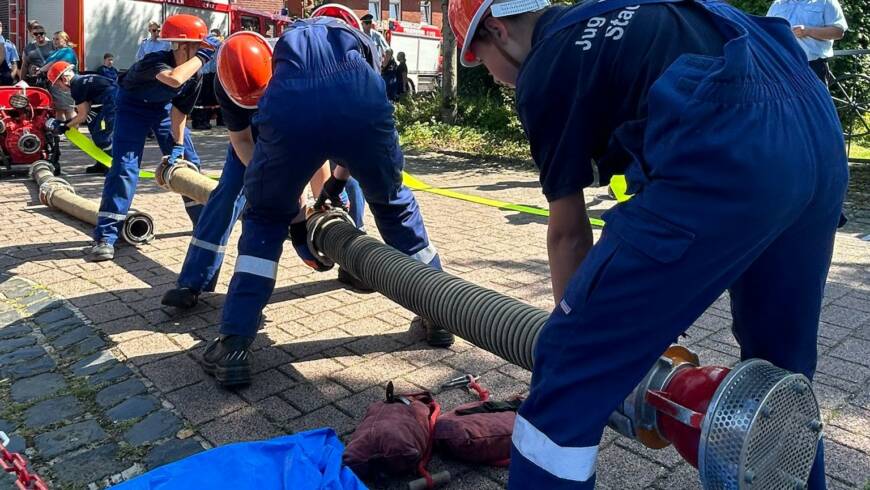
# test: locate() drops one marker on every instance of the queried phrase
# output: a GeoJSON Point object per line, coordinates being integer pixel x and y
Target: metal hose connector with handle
{"type": "Point", "coordinates": [57, 193]}
{"type": "Point", "coordinates": [184, 178]}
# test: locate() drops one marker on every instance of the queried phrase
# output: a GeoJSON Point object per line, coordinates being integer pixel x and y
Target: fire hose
{"type": "Point", "coordinates": [59, 194]}
{"type": "Point", "coordinates": [184, 178]}
{"type": "Point", "coordinates": [752, 426]}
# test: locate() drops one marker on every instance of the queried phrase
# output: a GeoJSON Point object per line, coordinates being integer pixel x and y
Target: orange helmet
{"type": "Point", "coordinates": [57, 69]}
{"type": "Point", "coordinates": [465, 17]}
{"type": "Point", "coordinates": [244, 67]}
{"type": "Point", "coordinates": [183, 28]}
{"type": "Point", "coordinates": [339, 12]}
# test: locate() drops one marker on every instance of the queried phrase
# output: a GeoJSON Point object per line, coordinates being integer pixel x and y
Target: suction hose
{"type": "Point", "coordinates": [490, 320]}
{"type": "Point", "coordinates": [59, 194]}
{"type": "Point", "coordinates": [184, 178]}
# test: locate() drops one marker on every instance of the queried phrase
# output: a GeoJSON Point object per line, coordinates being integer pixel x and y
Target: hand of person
{"type": "Point", "coordinates": [333, 195]}
{"type": "Point", "coordinates": [177, 152]}
{"type": "Point", "coordinates": [206, 53]}
{"type": "Point", "coordinates": [57, 126]}
{"type": "Point", "coordinates": [800, 31]}
{"type": "Point", "coordinates": [299, 239]}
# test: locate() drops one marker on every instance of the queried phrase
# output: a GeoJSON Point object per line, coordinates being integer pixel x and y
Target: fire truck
{"type": "Point", "coordinates": [119, 26]}
{"type": "Point", "coordinates": [421, 44]}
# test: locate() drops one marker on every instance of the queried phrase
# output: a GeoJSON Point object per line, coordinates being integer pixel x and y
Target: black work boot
{"type": "Point", "coordinates": [228, 359]}
{"type": "Point", "coordinates": [97, 168]}
{"type": "Point", "coordinates": [347, 278]}
{"type": "Point", "coordinates": [436, 336]}
{"type": "Point", "coordinates": [180, 298]}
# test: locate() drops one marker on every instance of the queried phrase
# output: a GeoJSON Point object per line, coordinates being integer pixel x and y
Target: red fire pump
{"type": "Point", "coordinates": [24, 134]}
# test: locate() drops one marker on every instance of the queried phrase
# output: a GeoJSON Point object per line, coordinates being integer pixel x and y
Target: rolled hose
{"type": "Point", "coordinates": [57, 193]}
{"type": "Point", "coordinates": [492, 321]}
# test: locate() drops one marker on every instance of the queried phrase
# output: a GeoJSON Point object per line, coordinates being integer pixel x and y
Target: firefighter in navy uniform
{"type": "Point", "coordinates": [94, 96]}
{"type": "Point", "coordinates": [735, 158]}
{"type": "Point", "coordinates": [244, 67]}
{"type": "Point", "coordinates": [325, 101]}
{"type": "Point", "coordinates": [156, 93]}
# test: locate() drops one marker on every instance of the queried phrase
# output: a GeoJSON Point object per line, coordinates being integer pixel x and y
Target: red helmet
{"type": "Point", "coordinates": [182, 28]}
{"type": "Point", "coordinates": [465, 17]}
{"type": "Point", "coordinates": [57, 69]}
{"type": "Point", "coordinates": [339, 12]}
{"type": "Point", "coordinates": [244, 67]}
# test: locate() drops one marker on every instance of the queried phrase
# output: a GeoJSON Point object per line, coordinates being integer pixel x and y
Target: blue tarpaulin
{"type": "Point", "coordinates": [304, 461]}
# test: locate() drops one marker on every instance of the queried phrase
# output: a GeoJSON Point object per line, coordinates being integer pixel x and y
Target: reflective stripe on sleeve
{"type": "Point", "coordinates": [567, 463]}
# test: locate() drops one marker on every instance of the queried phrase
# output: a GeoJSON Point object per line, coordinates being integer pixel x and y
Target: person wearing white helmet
{"type": "Point", "coordinates": [717, 122]}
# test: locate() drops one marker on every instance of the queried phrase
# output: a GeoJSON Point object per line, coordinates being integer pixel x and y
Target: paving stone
{"type": "Point", "coordinates": [619, 468]}
{"type": "Point", "coordinates": [156, 426]}
{"type": "Point", "coordinates": [39, 386]}
{"type": "Point", "coordinates": [53, 315]}
{"type": "Point", "coordinates": [61, 327]}
{"type": "Point", "coordinates": [685, 477]}
{"type": "Point", "coordinates": [89, 466]}
{"type": "Point", "coordinates": [7, 317]}
{"type": "Point", "coordinates": [375, 371]}
{"type": "Point", "coordinates": [111, 375]}
{"type": "Point", "coordinates": [65, 439]}
{"type": "Point", "coordinates": [266, 384]}
{"type": "Point", "coordinates": [21, 355]}
{"type": "Point", "coordinates": [16, 343]}
{"type": "Point", "coordinates": [15, 330]}
{"type": "Point", "coordinates": [40, 301]}
{"type": "Point", "coordinates": [277, 409]}
{"type": "Point", "coordinates": [854, 350]}
{"type": "Point", "coordinates": [52, 411]}
{"type": "Point", "coordinates": [170, 451]}
{"type": "Point", "coordinates": [313, 395]}
{"type": "Point", "coordinates": [846, 464]}
{"type": "Point", "coordinates": [327, 416]}
{"type": "Point", "coordinates": [475, 361]}
{"type": "Point", "coordinates": [246, 424]}
{"type": "Point", "coordinates": [72, 337]}
{"type": "Point", "coordinates": [174, 372]}
{"type": "Point", "coordinates": [85, 347]}
{"type": "Point", "coordinates": [29, 368]}
{"type": "Point", "coordinates": [115, 393]}
{"type": "Point", "coordinates": [205, 401]}
{"type": "Point", "coordinates": [16, 442]}
{"type": "Point", "coordinates": [133, 408]}
{"type": "Point", "coordinates": [94, 363]}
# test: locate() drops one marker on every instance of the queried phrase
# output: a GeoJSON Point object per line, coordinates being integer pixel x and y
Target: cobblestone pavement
{"type": "Point", "coordinates": [99, 382]}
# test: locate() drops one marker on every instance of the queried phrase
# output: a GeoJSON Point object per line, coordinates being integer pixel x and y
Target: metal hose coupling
{"type": "Point", "coordinates": [165, 172]}
{"type": "Point", "coordinates": [138, 228]}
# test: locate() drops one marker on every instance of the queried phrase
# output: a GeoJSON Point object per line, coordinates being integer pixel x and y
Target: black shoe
{"type": "Point", "coordinates": [97, 168]}
{"type": "Point", "coordinates": [347, 278]}
{"type": "Point", "coordinates": [436, 336]}
{"type": "Point", "coordinates": [228, 359]}
{"type": "Point", "coordinates": [180, 298]}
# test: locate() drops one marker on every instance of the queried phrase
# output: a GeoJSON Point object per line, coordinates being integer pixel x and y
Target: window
{"type": "Point", "coordinates": [270, 29]}
{"type": "Point", "coordinates": [375, 9]}
{"type": "Point", "coordinates": [250, 23]}
{"type": "Point", "coordinates": [396, 9]}
{"type": "Point", "coordinates": [426, 12]}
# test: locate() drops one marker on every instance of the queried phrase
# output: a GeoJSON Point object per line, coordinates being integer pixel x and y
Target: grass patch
{"type": "Point", "coordinates": [438, 136]}
{"type": "Point", "coordinates": [859, 151]}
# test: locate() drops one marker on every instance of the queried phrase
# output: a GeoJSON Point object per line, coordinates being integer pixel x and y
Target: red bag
{"type": "Point", "coordinates": [478, 432]}
{"type": "Point", "coordinates": [394, 436]}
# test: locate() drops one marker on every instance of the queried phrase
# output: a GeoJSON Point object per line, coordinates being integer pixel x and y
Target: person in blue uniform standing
{"type": "Point", "coordinates": [734, 155]}
{"type": "Point", "coordinates": [94, 96]}
{"type": "Point", "coordinates": [323, 69]}
{"type": "Point", "coordinates": [244, 64]}
{"type": "Point", "coordinates": [156, 93]}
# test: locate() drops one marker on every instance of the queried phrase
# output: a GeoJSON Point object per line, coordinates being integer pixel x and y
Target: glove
{"type": "Point", "coordinates": [177, 152]}
{"type": "Point", "coordinates": [206, 54]}
{"type": "Point", "coordinates": [57, 126]}
{"type": "Point", "coordinates": [333, 195]}
{"type": "Point", "coordinates": [298, 237]}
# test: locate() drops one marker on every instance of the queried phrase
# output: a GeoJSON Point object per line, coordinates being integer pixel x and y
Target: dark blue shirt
{"type": "Point", "coordinates": [140, 82]}
{"type": "Point", "coordinates": [317, 47]}
{"type": "Point", "coordinates": [579, 85]}
{"type": "Point", "coordinates": [108, 71]}
{"type": "Point", "coordinates": [94, 89]}
{"type": "Point", "coordinates": [236, 118]}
